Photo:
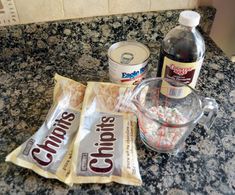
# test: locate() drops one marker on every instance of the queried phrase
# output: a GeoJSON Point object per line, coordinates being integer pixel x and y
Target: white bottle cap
{"type": "Point", "coordinates": [189, 18]}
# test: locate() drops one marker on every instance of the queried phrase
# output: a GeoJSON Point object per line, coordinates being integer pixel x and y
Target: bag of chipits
{"type": "Point", "coordinates": [104, 148]}
{"type": "Point", "coordinates": [48, 152]}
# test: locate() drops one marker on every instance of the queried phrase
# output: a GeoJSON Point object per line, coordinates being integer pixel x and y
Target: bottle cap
{"type": "Point", "coordinates": [189, 18]}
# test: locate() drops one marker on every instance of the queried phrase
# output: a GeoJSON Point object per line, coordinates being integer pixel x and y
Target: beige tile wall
{"type": "Point", "coordinates": [127, 6]}
{"type": "Point", "coordinates": [176, 4]}
{"type": "Point", "coordinates": [85, 8]}
{"type": "Point", "coordinates": [39, 10]}
{"type": "Point", "coordinates": [30, 11]}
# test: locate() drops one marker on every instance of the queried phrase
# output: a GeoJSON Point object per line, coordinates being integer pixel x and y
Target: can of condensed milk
{"type": "Point", "coordinates": [128, 62]}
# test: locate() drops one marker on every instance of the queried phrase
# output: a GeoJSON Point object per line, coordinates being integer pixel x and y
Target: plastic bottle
{"type": "Point", "coordinates": [182, 51]}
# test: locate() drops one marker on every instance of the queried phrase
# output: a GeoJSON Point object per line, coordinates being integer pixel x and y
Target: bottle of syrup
{"type": "Point", "coordinates": [182, 52]}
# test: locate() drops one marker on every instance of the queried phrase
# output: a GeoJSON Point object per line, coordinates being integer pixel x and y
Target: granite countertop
{"type": "Point", "coordinates": [31, 54]}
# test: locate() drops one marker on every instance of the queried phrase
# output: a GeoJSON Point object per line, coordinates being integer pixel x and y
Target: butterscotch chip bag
{"type": "Point", "coordinates": [104, 148]}
{"type": "Point", "coordinates": [48, 151]}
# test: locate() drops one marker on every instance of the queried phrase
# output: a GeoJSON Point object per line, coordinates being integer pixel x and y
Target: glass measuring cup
{"type": "Point", "coordinates": [165, 119]}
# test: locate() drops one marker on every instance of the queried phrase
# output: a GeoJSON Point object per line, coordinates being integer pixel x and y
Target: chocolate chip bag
{"type": "Point", "coordinates": [104, 149]}
{"type": "Point", "coordinates": [48, 151]}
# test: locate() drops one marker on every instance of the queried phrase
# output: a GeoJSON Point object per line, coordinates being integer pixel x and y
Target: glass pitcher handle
{"type": "Point", "coordinates": [210, 109]}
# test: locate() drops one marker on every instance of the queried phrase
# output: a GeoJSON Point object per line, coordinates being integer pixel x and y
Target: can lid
{"type": "Point", "coordinates": [128, 52]}
{"type": "Point", "coordinates": [189, 18]}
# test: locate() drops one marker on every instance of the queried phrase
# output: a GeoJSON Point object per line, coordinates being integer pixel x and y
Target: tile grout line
{"type": "Point", "coordinates": [62, 6]}
{"type": "Point", "coordinates": [108, 7]}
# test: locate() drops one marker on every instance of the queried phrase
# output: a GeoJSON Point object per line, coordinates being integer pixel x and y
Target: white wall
{"type": "Point", "coordinates": [223, 28]}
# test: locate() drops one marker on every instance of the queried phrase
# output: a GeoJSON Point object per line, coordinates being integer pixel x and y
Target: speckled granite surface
{"type": "Point", "coordinates": [31, 54]}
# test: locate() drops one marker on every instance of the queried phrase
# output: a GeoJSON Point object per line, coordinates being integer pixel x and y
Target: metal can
{"type": "Point", "coordinates": [128, 62]}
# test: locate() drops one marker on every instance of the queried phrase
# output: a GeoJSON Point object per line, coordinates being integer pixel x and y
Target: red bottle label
{"type": "Point", "coordinates": [185, 72]}
{"type": "Point", "coordinates": [184, 75]}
